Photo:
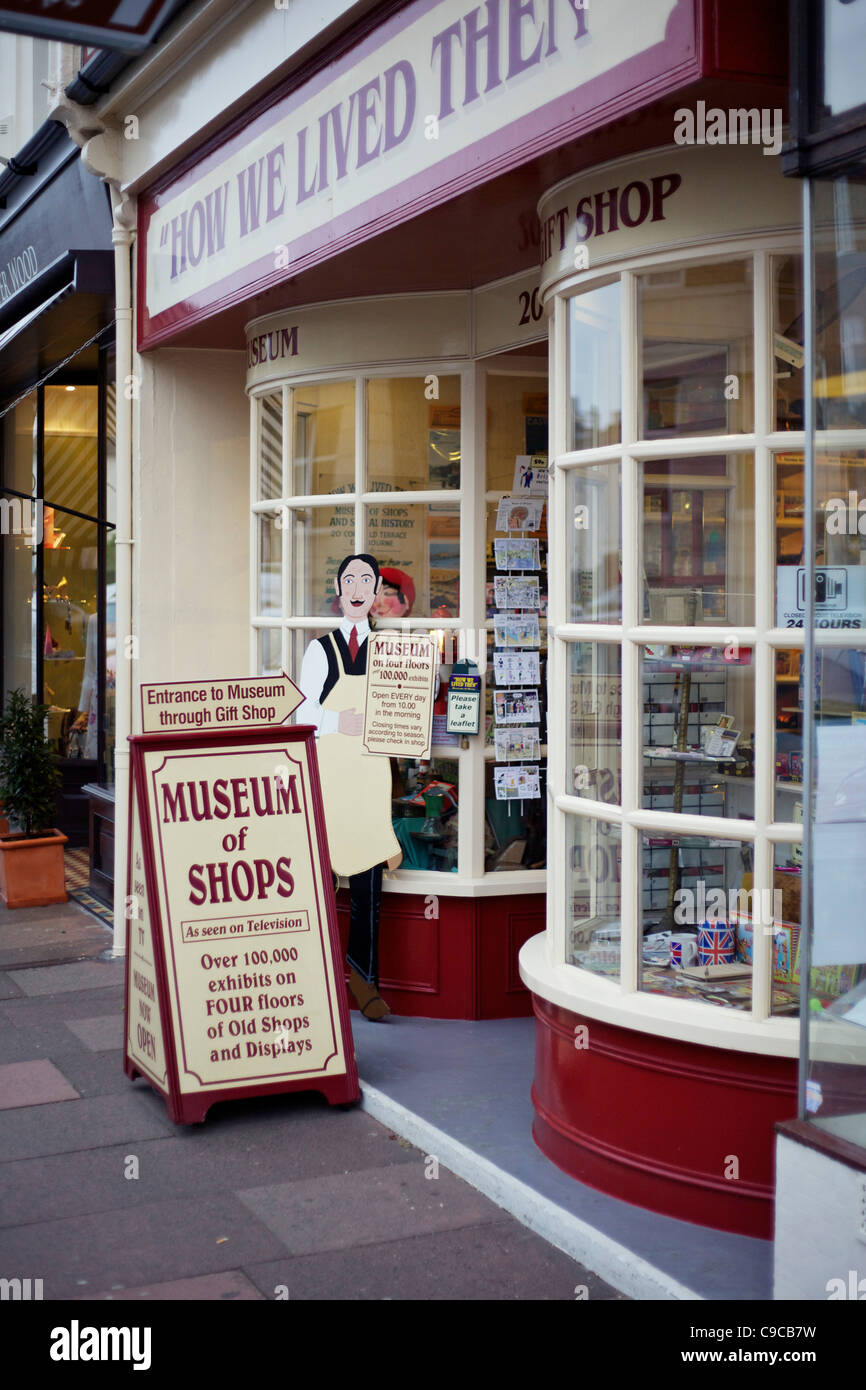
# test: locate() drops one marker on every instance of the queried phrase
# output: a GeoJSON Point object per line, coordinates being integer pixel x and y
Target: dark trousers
{"type": "Point", "coordinates": [365, 893]}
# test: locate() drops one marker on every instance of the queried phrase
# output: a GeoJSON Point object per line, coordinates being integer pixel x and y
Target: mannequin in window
{"type": "Point", "coordinates": [356, 786]}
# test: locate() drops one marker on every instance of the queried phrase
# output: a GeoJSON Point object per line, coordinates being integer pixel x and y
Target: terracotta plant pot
{"type": "Point", "coordinates": [32, 872]}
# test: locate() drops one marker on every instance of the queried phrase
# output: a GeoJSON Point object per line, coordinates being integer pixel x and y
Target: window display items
{"type": "Point", "coordinates": [516, 593]}
{"type": "Point", "coordinates": [511, 631]}
{"type": "Point", "coordinates": [519, 514]}
{"type": "Point", "coordinates": [395, 596]}
{"type": "Point", "coordinates": [356, 785]}
{"type": "Point", "coordinates": [516, 706]}
{"type": "Point", "coordinates": [716, 944]}
{"type": "Point", "coordinates": [516, 783]}
{"type": "Point", "coordinates": [517, 745]}
{"type": "Point", "coordinates": [531, 477]}
{"type": "Point", "coordinates": [516, 668]}
{"type": "Point", "coordinates": [514, 554]}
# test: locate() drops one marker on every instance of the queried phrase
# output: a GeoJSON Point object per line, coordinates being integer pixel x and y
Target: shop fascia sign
{"type": "Point", "coordinates": [438, 99]}
{"type": "Point", "coordinates": [659, 200]}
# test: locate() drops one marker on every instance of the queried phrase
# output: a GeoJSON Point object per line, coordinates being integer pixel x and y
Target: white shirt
{"type": "Point", "coordinates": [314, 673]}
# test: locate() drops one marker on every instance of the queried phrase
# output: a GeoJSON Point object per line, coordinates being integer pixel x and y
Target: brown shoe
{"type": "Point", "coordinates": [367, 997]}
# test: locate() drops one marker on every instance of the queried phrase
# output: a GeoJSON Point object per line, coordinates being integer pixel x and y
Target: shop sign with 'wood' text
{"type": "Point", "coordinates": [438, 99]}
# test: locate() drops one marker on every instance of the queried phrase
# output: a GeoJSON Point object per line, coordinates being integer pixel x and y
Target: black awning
{"type": "Point", "coordinates": [58, 327]}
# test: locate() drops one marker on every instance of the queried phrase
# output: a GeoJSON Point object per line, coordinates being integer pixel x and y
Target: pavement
{"type": "Point", "coordinates": [104, 1198]}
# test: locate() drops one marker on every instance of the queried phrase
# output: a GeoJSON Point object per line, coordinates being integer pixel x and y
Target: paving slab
{"type": "Point", "coordinates": [365, 1208]}
{"type": "Point", "coordinates": [57, 979]}
{"type": "Point", "coordinates": [8, 987]}
{"type": "Point", "coordinates": [52, 1040]}
{"type": "Point", "coordinates": [28, 1011]}
{"type": "Point", "coordinates": [98, 1073]}
{"type": "Point", "coordinates": [99, 1034]}
{"type": "Point", "coordinates": [189, 1162]}
{"type": "Point", "coordinates": [230, 1285]}
{"type": "Point", "coordinates": [495, 1260]}
{"type": "Point", "coordinates": [154, 1243]}
{"type": "Point", "coordinates": [80, 1124]}
{"type": "Point", "coordinates": [66, 931]}
{"type": "Point", "coordinates": [33, 1083]}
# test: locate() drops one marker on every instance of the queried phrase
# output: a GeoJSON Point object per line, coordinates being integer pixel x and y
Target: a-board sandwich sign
{"type": "Point", "coordinates": [234, 983]}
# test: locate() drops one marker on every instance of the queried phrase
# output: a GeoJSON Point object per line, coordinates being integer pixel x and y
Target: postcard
{"type": "Point", "coordinates": [517, 745]}
{"type": "Point", "coordinates": [514, 554]}
{"type": "Point", "coordinates": [516, 783]}
{"type": "Point", "coordinates": [519, 513]}
{"type": "Point", "coordinates": [516, 706]}
{"type": "Point", "coordinates": [509, 592]}
{"type": "Point", "coordinates": [516, 631]}
{"type": "Point", "coordinates": [516, 668]}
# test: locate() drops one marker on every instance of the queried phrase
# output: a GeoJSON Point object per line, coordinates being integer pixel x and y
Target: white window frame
{"type": "Point", "coordinates": [620, 1001]}
{"type": "Point", "coordinates": [472, 498]}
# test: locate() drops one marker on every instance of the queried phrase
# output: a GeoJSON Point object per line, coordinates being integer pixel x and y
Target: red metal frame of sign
{"type": "Point", "coordinates": [191, 1108]}
{"type": "Point", "coordinates": [131, 26]}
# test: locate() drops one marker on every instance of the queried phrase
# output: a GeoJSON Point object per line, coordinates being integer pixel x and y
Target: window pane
{"type": "Point", "coordinates": [788, 350]}
{"type": "Point", "coordinates": [595, 721]}
{"type": "Point", "coordinates": [19, 446]}
{"type": "Point", "coordinates": [594, 860]}
{"type": "Point", "coordinates": [698, 542]}
{"type": "Point", "coordinates": [413, 441]}
{"type": "Point", "coordinates": [840, 295]}
{"type": "Point", "coordinates": [516, 425]}
{"type": "Point", "coordinates": [698, 730]}
{"type": "Point", "coordinates": [321, 538]}
{"type": "Point", "coordinates": [323, 433]}
{"type": "Point", "coordinates": [595, 544]}
{"type": "Point", "coordinates": [425, 812]}
{"type": "Point", "coordinates": [270, 661]}
{"type": "Point", "coordinates": [70, 652]}
{"type": "Point", "coordinates": [691, 883]}
{"type": "Point", "coordinates": [270, 446]}
{"type": "Point", "coordinates": [594, 368]}
{"type": "Point", "coordinates": [789, 735]}
{"type": "Point", "coordinates": [19, 589]}
{"type": "Point", "coordinates": [418, 550]}
{"type": "Point", "coordinates": [515, 785]}
{"type": "Point", "coordinates": [697, 350]}
{"type": "Point", "coordinates": [71, 446]}
{"type": "Point", "coordinates": [270, 588]}
{"type": "Point", "coordinates": [786, 935]}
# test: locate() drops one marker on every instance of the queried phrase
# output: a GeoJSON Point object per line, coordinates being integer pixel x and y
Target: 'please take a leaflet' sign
{"type": "Point", "coordinates": [234, 985]}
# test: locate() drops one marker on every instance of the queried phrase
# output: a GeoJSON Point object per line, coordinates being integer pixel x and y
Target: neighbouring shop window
{"type": "Point", "coordinates": [58, 465]}
{"type": "Point", "coordinates": [836, 1071]}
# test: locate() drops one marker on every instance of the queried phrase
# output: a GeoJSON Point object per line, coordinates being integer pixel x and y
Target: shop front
{"type": "Point", "coordinates": [583, 480]}
{"type": "Point", "coordinates": [57, 463]}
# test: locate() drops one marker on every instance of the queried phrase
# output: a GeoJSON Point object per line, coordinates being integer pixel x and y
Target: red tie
{"type": "Point", "coordinates": [353, 642]}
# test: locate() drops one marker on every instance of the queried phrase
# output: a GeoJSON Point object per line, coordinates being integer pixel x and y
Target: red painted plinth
{"type": "Point", "coordinates": [660, 1123]}
{"type": "Point", "coordinates": [452, 957]}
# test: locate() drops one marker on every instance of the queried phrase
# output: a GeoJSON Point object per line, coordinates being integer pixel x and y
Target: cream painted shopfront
{"type": "Point", "coordinates": [362, 355]}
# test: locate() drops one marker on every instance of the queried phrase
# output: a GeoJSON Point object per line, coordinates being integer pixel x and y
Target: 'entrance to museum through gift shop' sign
{"type": "Point", "coordinates": [234, 982]}
{"type": "Point", "coordinates": [222, 704]}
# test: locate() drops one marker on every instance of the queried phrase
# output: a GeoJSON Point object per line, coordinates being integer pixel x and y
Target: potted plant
{"type": "Point", "coordinates": [32, 871]}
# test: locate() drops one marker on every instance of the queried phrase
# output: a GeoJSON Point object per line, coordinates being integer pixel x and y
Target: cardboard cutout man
{"type": "Point", "coordinates": [356, 786]}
